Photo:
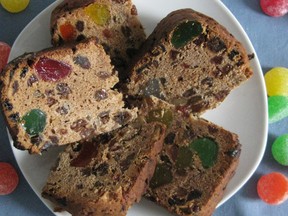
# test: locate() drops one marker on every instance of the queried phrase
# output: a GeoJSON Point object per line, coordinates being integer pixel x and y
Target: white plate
{"type": "Point", "coordinates": [243, 112]}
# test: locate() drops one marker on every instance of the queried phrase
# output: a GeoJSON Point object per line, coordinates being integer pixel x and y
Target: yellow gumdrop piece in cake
{"type": "Point", "coordinates": [277, 81]}
{"type": "Point", "coordinates": [99, 13]}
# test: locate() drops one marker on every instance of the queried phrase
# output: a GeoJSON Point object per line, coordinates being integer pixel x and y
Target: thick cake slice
{"type": "Point", "coordinates": [190, 61]}
{"type": "Point", "coordinates": [197, 161]}
{"type": "Point", "coordinates": [60, 96]}
{"type": "Point", "coordinates": [106, 176]}
{"type": "Point", "coordinates": [114, 22]}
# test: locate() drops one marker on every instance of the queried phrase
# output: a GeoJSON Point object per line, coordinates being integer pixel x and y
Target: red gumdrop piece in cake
{"type": "Point", "coordinates": [273, 188]}
{"type": "Point", "coordinates": [4, 54]}
{"type": "Point", "coordinates": [68, 32]}
{"type": "Point", "coordinates": [52, 70]}
{"type": "Point", "coordinates": [8, 178]}
{"type": "Point", "coordinates": [275, 8]}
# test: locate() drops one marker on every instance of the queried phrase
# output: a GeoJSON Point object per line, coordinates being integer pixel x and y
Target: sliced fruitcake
{"type": "Point", "coordinates": [189, 60]}
{"type": "Point", "coordinates": [196, 163]}
{"type": "Point", "coordinates": [61, 95]}
{"type": "Point", "coordinates": [115, 23]}
{"type": "Point", "coordinates": [107, 175]}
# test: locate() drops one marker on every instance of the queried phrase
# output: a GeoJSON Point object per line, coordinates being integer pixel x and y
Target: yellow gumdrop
{"type": "Point", "coordinates": [14, 6]}
{"type": "Point", "coordinates": [99, 13]}
{"type": "Point", "coordinates": [277, 81]}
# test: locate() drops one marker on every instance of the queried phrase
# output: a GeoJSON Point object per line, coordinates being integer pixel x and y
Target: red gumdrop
{"type": "Point", "coordinates": [273, 188]}
{"type": "Point", "coordinates": [8, 178]}
{"type": "Point", "coordinates": [52, 70]}
{"type": "Point", "coordinates": [4, 54]}
{"type": "Point", "coordinates": [68, 32]}
{"type": "Point", "coordinates": [275, 8]}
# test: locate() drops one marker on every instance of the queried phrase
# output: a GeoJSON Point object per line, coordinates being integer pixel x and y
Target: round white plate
{"type": "Point", "coordinates": [243, 112]}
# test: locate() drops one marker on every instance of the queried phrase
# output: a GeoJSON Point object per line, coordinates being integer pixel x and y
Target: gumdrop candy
{"type": "Point", "coordinates": [8, 178]}
{"type": "Point", "coordinates": [4, 54]}
{"type": "Point", "coordinates": [274, 8]}
{"type": "Point", "coordinates": [52, 70]}
{"type": "Point", "coordinates": [162, 175]}
{"type": "Point", "coordinates": [273, 188]}
{"type": "Point", "coordinates": [34, 122]}
{"type": "Point", "coordinates": [277, 108]}
{"type": "Point", "coordinates": [184, 157]}
{"type": "Point", "coordinates": [99, 13]}
{"type": "Point", "coordinates": [280, 149]}
{"type": "Point", "coordinates": [68, 31]}
{"type": "Point", "coordinates": [160, 115]}
{"type": "Point", "coordinates": [14, 6]}
{"type": "Point", "coordinates": [185, 32]}
{"type": "Point", "coordinates": [207, 150]}
{"type": "Point", "coordinates": [277, 81]}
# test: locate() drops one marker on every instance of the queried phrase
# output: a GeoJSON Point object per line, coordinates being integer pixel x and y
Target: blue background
{"type": "Point", "coordinates": [270, 39]}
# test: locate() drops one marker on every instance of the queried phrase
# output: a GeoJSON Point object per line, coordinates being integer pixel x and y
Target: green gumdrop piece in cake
{"type": "Point", "coordinates": [160, 115]}
{"type": "Point", "coordinates": [162, 176]}
{"type": "Point", "coordinates": [34, 122]}
{"type": "Point", "coordinates": [206, 149]}
{"type": "Point", "coordinates": [185, 32]}
{"type": "Point", "coordinates": [184, 157]}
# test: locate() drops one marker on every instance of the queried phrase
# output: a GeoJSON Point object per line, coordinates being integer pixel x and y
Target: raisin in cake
{"type": "Point", "coordinates": [190, 61]}
{"type": "Point", "coordinates": [106, 176]}
{"type": "Point", "coordinates": [61, 95]}
{"type": "Point", "coordinates": [196, 163]}
{"type": "Point", "coordinates": [114, 22]}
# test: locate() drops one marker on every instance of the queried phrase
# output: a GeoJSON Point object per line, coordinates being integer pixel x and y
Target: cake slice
{"type": "Point", "coordinates": [190, 61]}
{"type": "Point", "coordinates": [196, 163]}
{"type": "Point", "coordinates": [61, 95]}
{"type": "Point", "coordinates": [106, 176]}
{"type": "Point", "coordinates": [115, 23]}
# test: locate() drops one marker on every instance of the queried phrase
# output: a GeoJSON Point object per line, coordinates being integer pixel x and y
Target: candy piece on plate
{"type": "Point", "coordinates": [8, 178]}
{"type": "Point", "coordinates": [14, 6]}
{"type": "Point", "coordinates": [274, 8]}
{"type": "Point", "coordinates": [280, 149]}
{"type": "Point", "coordinates": [277, 108]}
{"type": "Point", "coordinates": [4, 54]}
{"type": "Point", "coordinates": [273, 188]}
{"type": "Point", "coordinates": [277, 81]}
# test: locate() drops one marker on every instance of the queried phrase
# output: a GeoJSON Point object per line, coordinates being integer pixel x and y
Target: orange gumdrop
{"type": "Point", "coordinates": [68, 32]}
{"type": "Point", "coordinates": [273, 188]}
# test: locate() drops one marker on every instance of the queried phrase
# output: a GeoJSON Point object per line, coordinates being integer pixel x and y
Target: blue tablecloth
{"type": "Point", "coordinates": [270, 39]}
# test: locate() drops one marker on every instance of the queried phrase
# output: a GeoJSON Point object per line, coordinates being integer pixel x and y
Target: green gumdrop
{"type": "Point", "coordinates": [184, 157]}
{"type": "Point", "coordinates": [162, 176]}
{"type": "Point", "coordinates": [277, 108]}
{"type": "Point", "coordinates": [280, 149]}
{"type": "Point", "coordinates": [160, 115]}
{"type": "Point", "coordinates": [185, 32]}
{"type": "Point", "coordinates": [207, 151]}
{"type": "Point", "coordinates": [34, 122]}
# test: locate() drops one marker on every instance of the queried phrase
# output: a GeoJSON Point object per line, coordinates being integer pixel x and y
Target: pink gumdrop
{"type": "Point", "coordinates": [4, 54]}
{"type": "Point", "coordinates": [275, 8]}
